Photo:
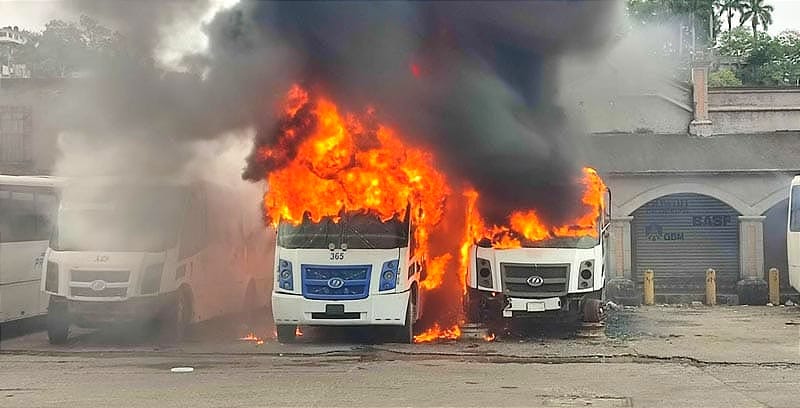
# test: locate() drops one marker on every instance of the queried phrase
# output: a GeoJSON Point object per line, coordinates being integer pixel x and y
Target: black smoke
{"type": "Point", "coordinates": [473, 81]}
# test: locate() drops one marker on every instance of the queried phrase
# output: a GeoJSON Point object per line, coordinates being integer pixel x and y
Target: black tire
{"type": "Point", "coordinates": [405, 333]}
{"type": "Point", "coordinates": [286, 333]}
{"type": "Point", "coordinates": [593, 310]}
{"type": "Point", "coordinates": [175, 318]}
{"type": "Point", "coordinates": [473, 306]}
{"type": "Point", "coordinates": [57, 322]}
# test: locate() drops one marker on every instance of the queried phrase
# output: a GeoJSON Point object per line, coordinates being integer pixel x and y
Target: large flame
{"type": "Point", "coordinates": [527, 223]}
{"type": "Point", "coordinates": [324, 161]}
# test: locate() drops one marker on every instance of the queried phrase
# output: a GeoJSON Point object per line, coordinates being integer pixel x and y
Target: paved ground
{"type": "Point", "coordinates": [653, 357]}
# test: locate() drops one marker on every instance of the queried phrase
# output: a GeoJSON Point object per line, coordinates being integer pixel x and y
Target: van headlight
{"type": "Point", "coordinates": [51, 277]}
{"type": "Point", "coordinates": [586, 274]}
{"type": "Point", "coordinates": [485, 273]}
{"type": "Point", "coordinates": [151, 282]}
{"type": "Point", "coordinates": [389, 275]}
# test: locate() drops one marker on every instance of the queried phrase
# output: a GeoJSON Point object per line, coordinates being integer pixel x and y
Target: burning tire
{"type": "Point", "coordinates": [593, 311]}
{"type": "Point", "coordinates": [286, 333]}
{"type": "Point", "coordinates": [57, 322]}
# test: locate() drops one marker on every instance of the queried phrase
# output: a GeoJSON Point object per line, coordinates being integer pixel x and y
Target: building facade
{"type": "Point", "coordinates": [714, 195]}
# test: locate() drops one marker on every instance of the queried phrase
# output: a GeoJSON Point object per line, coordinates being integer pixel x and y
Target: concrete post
{"type": "Point", "coordinates": [752, 288]}
{"type": "Point", "coordinates": [774, 286]}
{"type": "Point", "coordinates": [711, 287]}
{"type": "Point", "coordinates": [649, 288]}
{"type": "Point", "coordinates": [701, 123]}
{"type": "Point", "coordinates": [620, 287]}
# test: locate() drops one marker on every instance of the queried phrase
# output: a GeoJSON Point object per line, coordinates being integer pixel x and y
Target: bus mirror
{"type": "Point", "coordinates": [485, 243]}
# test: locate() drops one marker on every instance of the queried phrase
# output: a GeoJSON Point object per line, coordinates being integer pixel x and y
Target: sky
{"type": "Point", "coordinates": [34, 14]}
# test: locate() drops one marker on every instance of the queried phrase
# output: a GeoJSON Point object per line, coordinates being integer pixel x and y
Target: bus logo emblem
{"type": "Point", "coordinates": [535, 281]}
{"type": "Point", "coordinates": [97, 285]}
{"type": "Point", "coordinates": [335, 283]}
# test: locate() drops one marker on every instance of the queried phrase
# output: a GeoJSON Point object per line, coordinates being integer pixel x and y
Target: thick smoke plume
{"type": "Point", "coordinates": [475, 82]}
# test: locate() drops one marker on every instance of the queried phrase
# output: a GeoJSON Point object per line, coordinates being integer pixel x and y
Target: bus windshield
{"type": "Point", "coordinates": [356, 230]}
{"type": "Point", "coordinates": [140, 219]}
{"type": "Point", "coordinates": [584, 242]}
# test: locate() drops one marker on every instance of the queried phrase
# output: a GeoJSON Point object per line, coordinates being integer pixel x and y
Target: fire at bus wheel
{"type": "Point", "coordinates": [176, 317]}
{"type": "Point", "coordinates": [286, 333]}
{"type": "Point", "coordinates": [57, 322]}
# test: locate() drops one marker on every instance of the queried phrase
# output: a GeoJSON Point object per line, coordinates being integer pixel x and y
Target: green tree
{"type": "Point", "coordinates": [728, 8]}
{"type": "Point", "coordinates": [758, 13]}
{"type": "Point", "coordinates": [722, 78]}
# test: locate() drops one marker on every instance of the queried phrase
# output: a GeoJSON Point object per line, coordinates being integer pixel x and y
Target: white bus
{"type": "Point", "coordinates": [27, 207]}
{"type": "Point", "coordinates": [359, 271]}
{"type": "Point", "coordinates": [793, 234]}
{"type": "Point", "coordinates": [169, 253]}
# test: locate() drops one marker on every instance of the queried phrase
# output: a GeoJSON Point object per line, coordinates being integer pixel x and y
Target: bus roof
{"type": "Point", "coordinates": [30, 181]}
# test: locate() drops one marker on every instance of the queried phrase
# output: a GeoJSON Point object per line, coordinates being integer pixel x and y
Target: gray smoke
{"type": "Point", "coordinates": [484, 96]}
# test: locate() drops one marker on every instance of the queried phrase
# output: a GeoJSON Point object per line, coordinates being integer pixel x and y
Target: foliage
{"type": "Point", "coordinates": [722, 78]}
{"type": "Point", "coordinates": [774, 61]}
{"type": "Point", "coordinates": [67, 48]}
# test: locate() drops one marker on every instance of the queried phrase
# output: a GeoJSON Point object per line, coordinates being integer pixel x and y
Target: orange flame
{"type": "Point", "coordinates": [298, 332]}
{"type": "Point", "coordinates": [527, 223]}
{"type": "Point", "coordinates": [251, 337]}
{"type": "Point", "coordinates": [324, 161]}
{"type": "Point", "coordinates": [490, 337]}
{"type": "Point", "coordinates": [438, 333]}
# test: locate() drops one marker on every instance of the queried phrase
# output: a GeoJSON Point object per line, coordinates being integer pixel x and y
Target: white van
{"type": "Point", "coordinates": [27, 206]}
{"type": "Point", "coordinates": [171, 253]}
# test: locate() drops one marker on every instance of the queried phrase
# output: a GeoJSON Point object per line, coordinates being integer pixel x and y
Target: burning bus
{"type": "Point", "coordinates": [530, 267]}
{"type": "Point", "coordinates": [353, 206]}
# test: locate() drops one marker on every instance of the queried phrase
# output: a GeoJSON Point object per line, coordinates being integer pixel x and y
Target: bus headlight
{"type": "Point", "coordinates": [151, 282]}
{"type": "Point", "coordinates": [51, 277]}
{"type": "Point", "coordinates": [285, 276]}
{"type": "Point", "coordinates": [586, 274]}
{"type": "Point", "coordinates": [389, 275]}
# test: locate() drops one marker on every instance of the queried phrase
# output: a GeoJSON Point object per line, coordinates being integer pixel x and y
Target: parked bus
{"type": "Point", "coordinates": [793, 234]}
{"type": "Point", "coordinates": [27, 208]}
{"type": "Point", "coordinates": [358, 270]}
{"type": "Point", "coordinates": [168, 253]}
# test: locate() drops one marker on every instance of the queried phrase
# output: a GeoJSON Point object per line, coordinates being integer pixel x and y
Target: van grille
{"type": "Point", "coordinates": [515, 279]}
{"type": "Point", "coordinates": [107, 276]}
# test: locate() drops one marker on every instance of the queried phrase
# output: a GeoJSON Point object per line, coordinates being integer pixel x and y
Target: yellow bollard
{"type": "Point", "coordinates": [649, 289]}
{"type": "Point", "coordinates": [711, 287]}
{"type": "Point", "coordinates": [774, 286]}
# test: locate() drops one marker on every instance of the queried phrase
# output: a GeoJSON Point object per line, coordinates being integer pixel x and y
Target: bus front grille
{"type": "Point", "coordinates": [323, 282]}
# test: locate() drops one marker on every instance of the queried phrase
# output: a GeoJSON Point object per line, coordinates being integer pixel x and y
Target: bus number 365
{"type": "Point", "coordinates": [337, 256]}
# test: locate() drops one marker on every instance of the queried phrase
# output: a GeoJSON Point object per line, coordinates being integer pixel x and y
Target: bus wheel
{"type": "Point", "coordinates": [57, 322]}
{"type": "Point", "coordinates": [176, 317]}
{"type": "Point", "coordinates": [286, 333]}
{"type": "Point", "coordinates": [405, 333]}
{"type": "Point", "coordinates": [593, 311]}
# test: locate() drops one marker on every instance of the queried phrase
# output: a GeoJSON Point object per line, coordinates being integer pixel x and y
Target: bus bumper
{"type": "Point", "coordinates": [388, 309]}
{"type": "Point", "coordinates": [104, 313]}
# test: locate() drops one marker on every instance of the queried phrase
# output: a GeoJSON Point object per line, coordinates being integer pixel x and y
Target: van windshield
{"type": "Point", "coordinates": [585, 242]}
{"type": "Point", "coordinates": [137, 219]}
{"type": "Point", "coordinates": [356, 230]}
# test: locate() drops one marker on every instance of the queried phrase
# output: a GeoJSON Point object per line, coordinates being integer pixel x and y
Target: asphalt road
{"type": "Point", "coordinates": [653, 357]}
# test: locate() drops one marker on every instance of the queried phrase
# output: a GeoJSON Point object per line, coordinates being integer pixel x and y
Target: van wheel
{"type": "Point", "coordinates": [57, 322]}
{"type": "Point", "coordinates": [176, 317]}
{"type": "Point", "coordinates": [286, 333]}
{"type": "Point", "coordinates": [405, 333]}
{"type": "Point", "coordinates": [593, 311]}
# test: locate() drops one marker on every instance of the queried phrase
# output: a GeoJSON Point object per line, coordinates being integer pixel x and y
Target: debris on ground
{"type": "Point", "coordinates": [790, 303]}
{"type": "Point", "coordinates": [770, 304]}
{"type": "Point", "coordinates": [697, 303]}
{"type": "Point", "coordinates": [613, 306]}
{"type": "Point", "coordinates": [182, 369]}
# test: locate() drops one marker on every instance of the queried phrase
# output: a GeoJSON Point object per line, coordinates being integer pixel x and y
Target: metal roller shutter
{"type": "Point", "coordinates": [679, 236]}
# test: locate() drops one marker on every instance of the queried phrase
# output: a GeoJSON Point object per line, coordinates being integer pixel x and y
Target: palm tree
{"type": "Point", "coordinates": [757, 12]}
{"type": "Point", "coordinates": [728, 7]}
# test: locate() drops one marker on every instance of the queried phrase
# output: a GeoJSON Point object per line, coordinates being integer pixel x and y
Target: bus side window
{"type": "Point", "coordinates": [19, 218]}
{"type": "Point", "coordinates": [794, 212]}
